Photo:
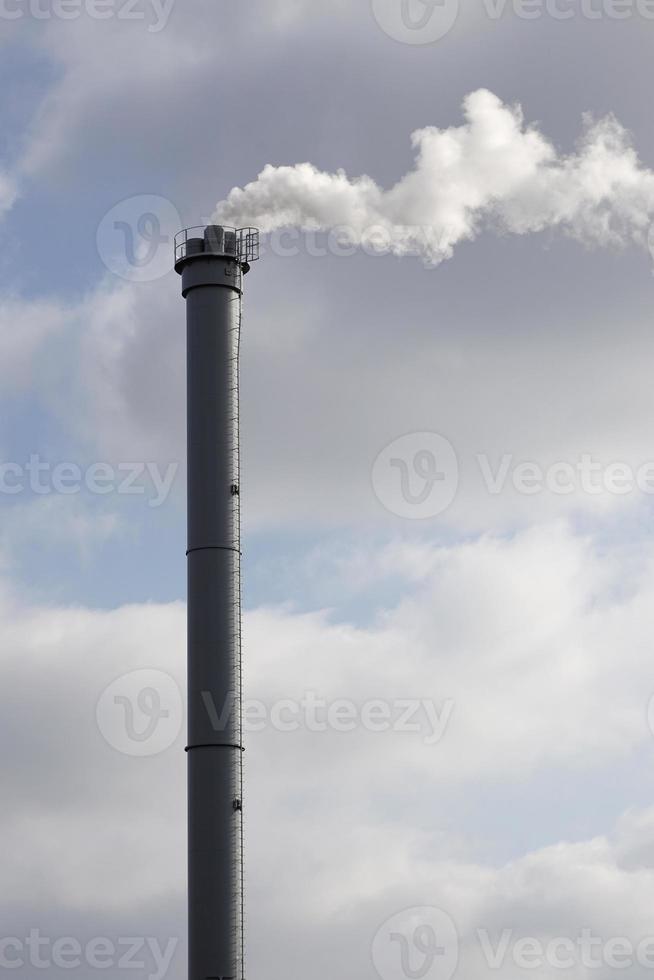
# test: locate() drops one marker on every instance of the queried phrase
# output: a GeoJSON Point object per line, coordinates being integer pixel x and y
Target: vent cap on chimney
{"type": "Point", "coordinates": [241, 244]}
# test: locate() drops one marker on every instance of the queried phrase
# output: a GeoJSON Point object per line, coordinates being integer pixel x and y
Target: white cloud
{"type": "Point", "coordinates": [26, 329]}
{"type": "Point", "coordinates": [553, 669]}
{"type": "Point", "coordinates": [534, 674]}
{"type": "Point", "coordinates": [66, 782]}
{"type": "Point", "coordinates": [8, 193]}
{"type": "Point", "coordinates": [165, 54]}
{"type": "Point", "coordinates": [371, 875]}
{"type": "Point", "coordinates": [114, 375]}
{"type": "Point", "coordinates": [548, 663]}
{"type": "Point", "coordinates": [116, 380]}
{"type": "Point", "coordinates": [57, 521]}
{"type": "Point", "coordinates": [492, 170]}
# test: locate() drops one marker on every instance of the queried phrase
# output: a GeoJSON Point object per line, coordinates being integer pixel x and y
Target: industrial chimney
{"type": "Point", "coordinates": [212, 262]}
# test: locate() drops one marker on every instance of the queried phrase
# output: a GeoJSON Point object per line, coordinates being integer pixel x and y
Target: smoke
{"type": "Point", "coordinates": [493, 172]}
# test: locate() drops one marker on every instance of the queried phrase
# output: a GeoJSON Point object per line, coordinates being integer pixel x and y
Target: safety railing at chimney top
{"type": "Point", "coordinates": [238, 243]}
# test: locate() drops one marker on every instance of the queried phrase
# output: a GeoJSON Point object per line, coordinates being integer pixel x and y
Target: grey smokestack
{"type": "Point", "coordinates": [212, 262]}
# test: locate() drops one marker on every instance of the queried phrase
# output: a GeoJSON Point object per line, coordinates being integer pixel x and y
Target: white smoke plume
{"type": "Point", "coordinates": [492, 172]}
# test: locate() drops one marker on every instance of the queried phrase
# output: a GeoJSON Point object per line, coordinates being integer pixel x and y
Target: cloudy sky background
{"type": "Point", "coordinates": [526, 618]}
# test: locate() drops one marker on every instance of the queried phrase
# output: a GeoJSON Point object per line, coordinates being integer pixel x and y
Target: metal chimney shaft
{"type": "Point", "coordinates": [212, 265]}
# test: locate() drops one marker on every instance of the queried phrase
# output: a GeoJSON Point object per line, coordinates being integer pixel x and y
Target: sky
{"type": "Point", "coordinates": [447, 487]}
